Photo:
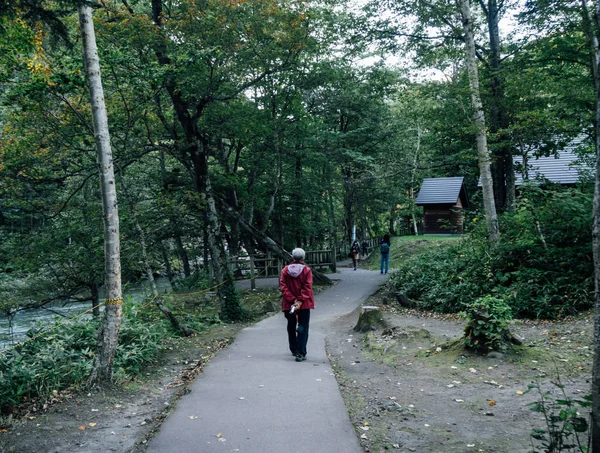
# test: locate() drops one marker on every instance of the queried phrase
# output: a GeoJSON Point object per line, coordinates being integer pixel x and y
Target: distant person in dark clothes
{"type": "Point", "coordinates": [355, 250]}
{"type": "Point", "coordinates": [364, 247]}
{"type": "Point", "coordinates": [298, 300]}
{"type": "Point", "coordinates": [384, 249]}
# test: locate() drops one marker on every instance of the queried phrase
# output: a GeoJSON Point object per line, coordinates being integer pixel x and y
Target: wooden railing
{"type": "Point", "coordinates": [266, 266]}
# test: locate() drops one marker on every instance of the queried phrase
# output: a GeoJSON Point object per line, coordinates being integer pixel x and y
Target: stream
{"type": "Point", "coordinates": [26, 319]}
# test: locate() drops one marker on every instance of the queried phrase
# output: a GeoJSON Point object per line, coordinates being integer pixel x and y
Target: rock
{"type": "Point", "coordinates": [517, 339]}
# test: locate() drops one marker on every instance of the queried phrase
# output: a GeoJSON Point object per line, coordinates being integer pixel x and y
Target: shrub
{"type": "Point", "coordinates": [542, 265]}
{"type": "Point", "coordinates": [487, 327]}
{"type": "Point", "coordinates": [62, 358]}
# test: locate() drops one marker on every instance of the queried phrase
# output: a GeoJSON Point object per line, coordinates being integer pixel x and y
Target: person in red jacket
{"type": "Point", "coordinates": [298, 300]}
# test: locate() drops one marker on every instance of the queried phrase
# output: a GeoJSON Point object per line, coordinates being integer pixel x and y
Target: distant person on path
{"type": "Point", "coordinates": [384, 249]}
{"type": "Point", "coordinates": [298, 300]}
{"type": "Point", "coordinates": [355, 251]}
{"type": "Point", "coordinates": [364, 247]}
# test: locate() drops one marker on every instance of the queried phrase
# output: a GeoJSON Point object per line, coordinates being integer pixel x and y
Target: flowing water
{"type": "Point", "coordinates": [15, 331]}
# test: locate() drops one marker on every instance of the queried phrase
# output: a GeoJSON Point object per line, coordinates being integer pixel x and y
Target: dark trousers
{"type": "Point", "coordinates": [297, 329]}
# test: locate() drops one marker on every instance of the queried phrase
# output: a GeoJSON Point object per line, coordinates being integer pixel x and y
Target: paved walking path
{"type": "Point", "coordinates": [254, 398]}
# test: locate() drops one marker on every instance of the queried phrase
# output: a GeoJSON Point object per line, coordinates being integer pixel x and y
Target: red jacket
{"type": "Point", "coordinates": [295, 283]}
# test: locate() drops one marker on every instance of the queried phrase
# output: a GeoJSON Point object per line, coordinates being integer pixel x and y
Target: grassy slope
{"type": "Point", "coordinates": [405, 245]}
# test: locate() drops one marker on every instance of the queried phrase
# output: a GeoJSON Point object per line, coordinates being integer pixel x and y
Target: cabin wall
{"type": "Point", "coordinates": [443, 219]}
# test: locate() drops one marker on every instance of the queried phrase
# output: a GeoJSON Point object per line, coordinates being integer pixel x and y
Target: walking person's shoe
{"type": "Point", "coordinates": [300, 358]}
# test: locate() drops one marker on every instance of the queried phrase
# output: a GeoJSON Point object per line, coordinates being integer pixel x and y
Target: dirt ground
{"type": "Point", "coordinates": [410, 388]}
{"type": "Point", "coordinates": [402, 392]}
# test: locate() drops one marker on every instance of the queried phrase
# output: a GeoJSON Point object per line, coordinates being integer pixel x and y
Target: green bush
{"type": "Point", "coordinates": [487, 327]}
{"type": "Point", "coordinates": [55, 361]}
{"type": "Point", "coordinates": [542, 266]}
{"type": "Point", "coordinates": [62, 358]}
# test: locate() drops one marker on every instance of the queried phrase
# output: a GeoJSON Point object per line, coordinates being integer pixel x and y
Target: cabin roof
{"type": "Point", "coordinates": [565, 167]}
{"type": "Point", "coordinates": [441, 191]}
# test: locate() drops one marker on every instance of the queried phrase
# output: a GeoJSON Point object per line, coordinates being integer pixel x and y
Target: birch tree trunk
{"type": "Point", "coordinates": [489, 205]}
{"type": "Point", "coordinates": [109, 330]}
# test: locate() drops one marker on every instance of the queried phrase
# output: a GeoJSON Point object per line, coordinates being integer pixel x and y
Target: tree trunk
{"type": "Point", "coordinates": [297, 204]}
{"type": "Point", "coordinates": [592, 30]}
{"type": "Point", "coordinates": [502, 165]}
{"type": "Point", "coordinates": [183, 256]}
{"type": "Point", "coordinates": [147, 268]}
{"type": "Point", "coordinates": [165, 254]}
{"type": "Point", "coordinates": [109, 331]}
{"type": "Point", "coordinates": [95, 293]}
{"type": "Point", "coordinates": [231, 309]}
{"type": "Point", "coordinates": [479, 118]}
{"type": "Point", "coordinates": [413, 173]}
{"type": "Point", "coordinates": [348, 202]}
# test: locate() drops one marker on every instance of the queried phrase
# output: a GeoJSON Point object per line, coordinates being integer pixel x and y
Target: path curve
{"type": "Point", "coordinates": [254, 398]}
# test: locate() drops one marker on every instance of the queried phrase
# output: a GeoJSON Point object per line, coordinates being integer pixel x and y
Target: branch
{"type": "Point", "coordinates": [483, 7]}
{"type": "Point", "coordinates": [128, 7]}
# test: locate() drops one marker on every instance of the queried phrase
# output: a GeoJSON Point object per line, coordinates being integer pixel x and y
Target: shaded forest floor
{"type": "Point", "coordinates": [413, 388]}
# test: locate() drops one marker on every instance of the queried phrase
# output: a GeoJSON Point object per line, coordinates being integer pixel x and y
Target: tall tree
{"type": "Point", "coordinates": [594, 34]}
{"type": "Point", "coordinates": [109, 330]}
{"type": "Point", "coordinates": [502, 164]}
{"type": "Point", "coordinates": [435, 34]}
{"type": "Point", "coordinates": [479, 119]}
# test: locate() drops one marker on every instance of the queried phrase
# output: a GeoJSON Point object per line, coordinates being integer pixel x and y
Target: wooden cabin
{"type": "Point", "coordinates": [563, 167]}
{"type": "Point", "coordinates": [443, 200]}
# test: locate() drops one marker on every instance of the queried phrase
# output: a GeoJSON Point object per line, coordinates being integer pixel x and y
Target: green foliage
{"type": "Point", "coordinates": [63, 357]}
{"type": "Point", "coordinates": [231, 308]}
{"type": "Point", "coordinates": [541, 267]}
{"type": "Point", "coordinates": [487, 327]}
{"type": "Point", "coordinates": [196, 281]}
{"type": "Point", "coordinates": [139, 344]}
{"type": "Point", "coordinates": [436, 278]}
{"type": "Point", "coordinates": [58, 360]}
{"type": "Point", "coordinates": [564, 423]}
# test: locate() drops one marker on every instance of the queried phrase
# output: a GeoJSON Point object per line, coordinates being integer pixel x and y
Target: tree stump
{"type": "Point", "coordinates": [370, 319]}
